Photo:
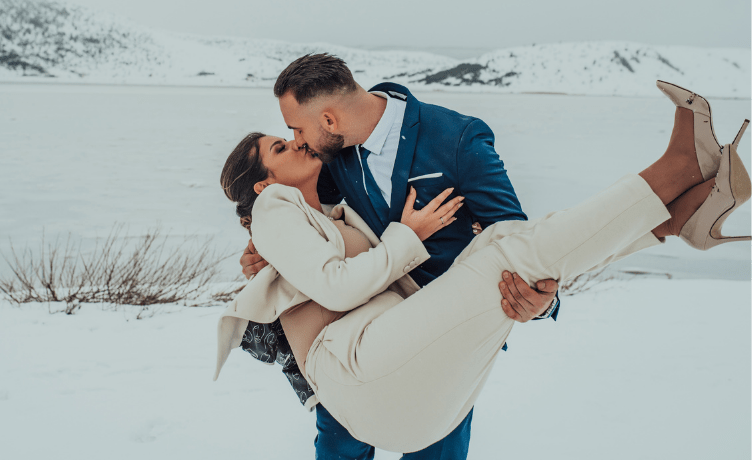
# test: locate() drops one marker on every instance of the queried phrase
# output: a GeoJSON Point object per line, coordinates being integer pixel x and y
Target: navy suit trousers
{"type": "Point", "coordinates": [333, 442]}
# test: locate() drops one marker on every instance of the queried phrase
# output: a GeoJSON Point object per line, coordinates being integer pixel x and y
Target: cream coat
{"type": "Point", "coordinates": [306, 253]}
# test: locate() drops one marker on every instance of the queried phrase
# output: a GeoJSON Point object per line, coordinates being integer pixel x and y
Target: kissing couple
{"type": "Point", "coordinates": [368, 283]}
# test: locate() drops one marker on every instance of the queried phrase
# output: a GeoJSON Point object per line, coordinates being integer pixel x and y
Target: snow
{"type": "Point", "coordinates": [636, 368]}
{"type": "Point", "coordinates": [100, 48]}
{"type": "Point", "coordinates": [650, 366]}
{"type": "Point", "coordinates": [78, 158]}
{"type": "Point", "coordinates": [645, 368]}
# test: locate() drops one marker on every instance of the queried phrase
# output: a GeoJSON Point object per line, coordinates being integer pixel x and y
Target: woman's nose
{"type": "Point", "coordinates": [293, 145]}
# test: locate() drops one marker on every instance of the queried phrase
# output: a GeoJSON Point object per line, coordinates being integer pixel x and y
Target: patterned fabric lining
{"type": "Point", "coordinates": [268, 344]}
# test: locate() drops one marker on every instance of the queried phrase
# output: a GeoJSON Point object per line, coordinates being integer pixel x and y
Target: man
{"type": "Point", "coordinates": [374, 146]}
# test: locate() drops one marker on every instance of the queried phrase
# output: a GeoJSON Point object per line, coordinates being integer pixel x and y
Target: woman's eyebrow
{"type": "Point", "coordinates": [279, 141]}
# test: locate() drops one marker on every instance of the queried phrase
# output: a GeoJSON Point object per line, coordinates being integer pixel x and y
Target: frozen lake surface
{"type": "Point", "coordinates": [78, 158]}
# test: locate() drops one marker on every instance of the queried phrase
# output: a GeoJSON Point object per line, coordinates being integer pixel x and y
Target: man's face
{"type": "Point", "coordinates": [307, 130]}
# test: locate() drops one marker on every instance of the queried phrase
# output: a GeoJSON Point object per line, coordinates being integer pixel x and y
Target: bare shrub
{"type": "Point", "coordinates": [144, 272]}
{"type": "Point", "coordinates": [584, 282]}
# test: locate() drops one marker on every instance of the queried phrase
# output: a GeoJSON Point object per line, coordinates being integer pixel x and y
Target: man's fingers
{"type": "Point", "coordinates": [547, 286]}
{"type": "Point", "coordinates": [510, 306]}
{"type": "Point", "coordinates": [516, 294]}
{"type": "Point", "coordinates": [250, 259]}
{"type": "Point", "coordinates": [505, 287]}
{"type": "Point", "coordinates": [510, 312]}
{"type": "Point", "coordinates": [249, 270]}
{"type": "Point", "coordinates": [531, 296]}
{"type": "Point", "coordinates": [476, 227]}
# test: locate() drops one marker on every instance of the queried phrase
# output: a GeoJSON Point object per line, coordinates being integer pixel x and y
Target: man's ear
{"type": "Point", "coordinates": [328, 121]}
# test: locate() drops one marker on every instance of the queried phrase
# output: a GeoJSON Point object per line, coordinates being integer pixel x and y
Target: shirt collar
{"type": "Point", "coordinates": [376, 140]}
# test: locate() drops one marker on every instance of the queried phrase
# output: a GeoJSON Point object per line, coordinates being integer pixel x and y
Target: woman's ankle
{"type": "Point", "coordinates": [683, 208]}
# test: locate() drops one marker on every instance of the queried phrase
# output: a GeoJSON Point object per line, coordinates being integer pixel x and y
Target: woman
{"type": "Point", "coordinates": [398, 367]}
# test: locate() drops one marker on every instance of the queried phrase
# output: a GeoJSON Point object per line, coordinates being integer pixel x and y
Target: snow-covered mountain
{"type": "Point", "coordinates": [44, 40]}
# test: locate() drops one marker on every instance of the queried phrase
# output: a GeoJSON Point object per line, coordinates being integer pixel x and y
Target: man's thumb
{"type": "Point", "coordinates": [547, 286]}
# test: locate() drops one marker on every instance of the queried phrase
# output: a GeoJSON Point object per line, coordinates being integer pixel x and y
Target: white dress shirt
{"type": "Point", "coordinates": [383, 143]}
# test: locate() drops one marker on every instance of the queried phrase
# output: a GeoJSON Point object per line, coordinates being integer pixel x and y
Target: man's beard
{"type": "Point", "coordinates": [330, 146]}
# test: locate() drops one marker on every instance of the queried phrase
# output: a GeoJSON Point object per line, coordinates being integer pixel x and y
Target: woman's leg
{"type": "Point", "coordinates": [677, 170]}
{"type": "Point", "coordinates": [401, 375]}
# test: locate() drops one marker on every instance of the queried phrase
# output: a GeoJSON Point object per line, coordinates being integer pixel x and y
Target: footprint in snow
{"type": "Point", "coordinates": [151, 430]}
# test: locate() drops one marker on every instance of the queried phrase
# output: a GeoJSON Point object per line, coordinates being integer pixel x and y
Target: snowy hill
{"type": "Point", "coordinates": [41, 40]}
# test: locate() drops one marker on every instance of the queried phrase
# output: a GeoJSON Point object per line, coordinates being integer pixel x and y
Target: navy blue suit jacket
{"type": "Point", "coordinates": [433, 140]}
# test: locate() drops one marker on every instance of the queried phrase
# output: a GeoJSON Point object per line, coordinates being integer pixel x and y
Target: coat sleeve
{"type": "Point", "coordinates": [285, 237]}
{"type": "Point", "coordinates": [482, 178]}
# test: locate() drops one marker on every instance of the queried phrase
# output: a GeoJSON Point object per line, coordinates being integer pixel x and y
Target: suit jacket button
{"type": "Point", "coordinates": [407, 269]}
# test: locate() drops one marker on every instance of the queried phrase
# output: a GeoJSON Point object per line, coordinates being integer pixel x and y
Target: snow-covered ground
{"type": "Point", "coordinates": [643, 368]}
{"type": "Point", "coordinates": [649, 369]}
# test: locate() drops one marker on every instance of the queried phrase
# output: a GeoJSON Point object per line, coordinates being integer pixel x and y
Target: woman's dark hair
{"type": "Point", "coordinates": [243, 168]}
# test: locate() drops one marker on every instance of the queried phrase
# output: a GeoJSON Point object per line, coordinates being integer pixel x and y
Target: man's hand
{"type": "Point", "coordinates": [522, 303]}
{"type": "Point", "coordinates": [251, 261]}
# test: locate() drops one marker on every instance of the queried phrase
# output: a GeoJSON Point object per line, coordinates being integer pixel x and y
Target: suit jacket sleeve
{"type": "Point", "coordinates": [285, 237]}
{"type": "Point", "coordinates": [489, 196]}
{"type": "Point", "coordinates": [483, 179]}
{"type": "Point", "coordinates": [329, 192]}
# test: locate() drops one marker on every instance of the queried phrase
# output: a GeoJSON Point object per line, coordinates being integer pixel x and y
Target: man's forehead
{"type": "Point", "coordinates": [293, 113]}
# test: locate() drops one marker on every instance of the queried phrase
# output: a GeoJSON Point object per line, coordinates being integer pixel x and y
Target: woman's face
{"type": "Point", "coordinates": [287, 164]}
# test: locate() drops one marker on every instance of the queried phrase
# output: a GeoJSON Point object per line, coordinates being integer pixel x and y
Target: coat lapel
{"type": "Point", "coordinates": [355, 175]}
{"type": "Point", "coordinates": [405, 151]}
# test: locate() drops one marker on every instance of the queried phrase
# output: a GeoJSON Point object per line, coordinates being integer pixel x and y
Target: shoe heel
{"type": "Point", "coordinates": [740, 186]}
{"type": "Point", "coordinates": [740, 133]}
{"type": "Point", "coordinates": [739, 178]}
{"type": "Point", "coordinates": [732, 188]}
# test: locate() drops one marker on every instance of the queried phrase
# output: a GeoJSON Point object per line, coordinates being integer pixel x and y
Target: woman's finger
{"type": "Point", "coordinates": [447, 221]}
{"type": "Point", "coordinates": [451, 212]}
{"type": "Point", "coordinates": [451, 205]}
{"type": "Point", "coordinates": [410, 201]}
{"type": "Point", "coordinates": [434, 204]}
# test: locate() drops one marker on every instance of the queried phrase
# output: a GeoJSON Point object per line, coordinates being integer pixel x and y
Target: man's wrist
{"type": "Point", "coordinates": [552, 307]}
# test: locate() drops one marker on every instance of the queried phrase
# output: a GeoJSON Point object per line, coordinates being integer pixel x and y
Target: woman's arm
{"type": "Point", "coordinates": [284, 236]}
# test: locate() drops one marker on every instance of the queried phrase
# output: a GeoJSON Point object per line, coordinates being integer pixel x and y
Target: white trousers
{"type": "Point", "coordinates": [402, 374]}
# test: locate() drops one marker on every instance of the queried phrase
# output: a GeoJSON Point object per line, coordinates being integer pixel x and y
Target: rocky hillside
{"type": "Point", "coordinates": [44, 40]}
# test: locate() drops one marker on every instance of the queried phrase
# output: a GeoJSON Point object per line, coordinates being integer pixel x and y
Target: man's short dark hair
{"type": "Point", "coordinates": [315, 75]}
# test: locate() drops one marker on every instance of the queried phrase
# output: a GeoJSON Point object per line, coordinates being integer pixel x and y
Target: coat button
{"type": "Point", "coordinates": [407, 269]}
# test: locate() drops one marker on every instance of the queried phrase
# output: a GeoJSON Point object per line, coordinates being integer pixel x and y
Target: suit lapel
{"type": "Point", "coordinates": [404, 160]}
{"type": "Point", "coordinates": [355, 175]}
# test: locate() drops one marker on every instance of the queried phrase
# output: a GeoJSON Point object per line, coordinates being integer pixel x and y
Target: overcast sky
{"type": "Point", "coordinates": [462, 28]}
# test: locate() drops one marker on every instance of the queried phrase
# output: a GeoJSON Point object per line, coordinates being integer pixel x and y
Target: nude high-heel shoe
{"type": "Point", "coordinates": [704, 228]}
{"type": "Point", "coordinates": [707, 148]}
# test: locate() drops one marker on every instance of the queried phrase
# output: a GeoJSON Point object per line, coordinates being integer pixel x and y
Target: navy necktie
{"type": "Point", "coordinates": [372, 189]}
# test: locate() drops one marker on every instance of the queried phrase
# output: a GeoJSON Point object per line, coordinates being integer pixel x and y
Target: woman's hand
{"type": "Point", "coordinates": [432, 217]}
